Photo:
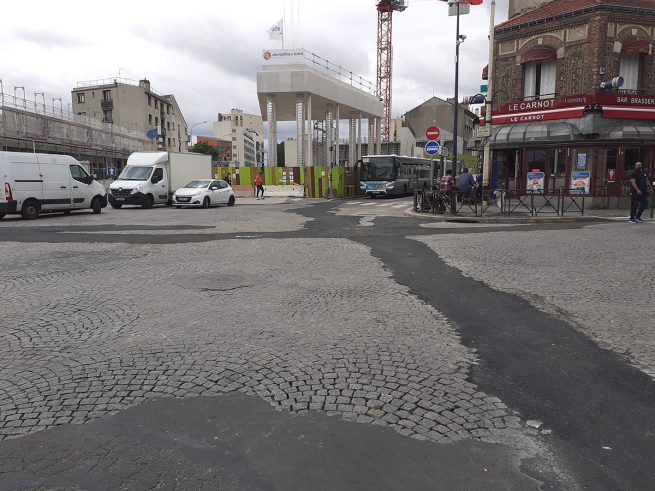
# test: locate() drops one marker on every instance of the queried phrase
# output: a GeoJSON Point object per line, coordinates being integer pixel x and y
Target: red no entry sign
{"type": "Point", "coordinates": [432, 133]}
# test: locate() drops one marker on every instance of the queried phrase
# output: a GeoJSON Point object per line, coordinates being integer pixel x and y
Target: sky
{"type": "Point", "coordinates": [207, 52]}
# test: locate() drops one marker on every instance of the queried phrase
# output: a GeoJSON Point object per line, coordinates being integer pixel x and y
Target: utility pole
{"type": "Point", "coordinates": [458, 41]}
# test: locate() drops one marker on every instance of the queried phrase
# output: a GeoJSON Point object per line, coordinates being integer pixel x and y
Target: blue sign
{"type": "Point", "coordinates": [432, 147]}
{"type": "Point", "coordinates": [152, 133]}
{"type": "Point", "coordinates": [111, 171]}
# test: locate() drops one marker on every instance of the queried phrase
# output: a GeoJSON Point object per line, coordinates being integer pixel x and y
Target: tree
{"type": "Point", "coordinates": [204, 147]}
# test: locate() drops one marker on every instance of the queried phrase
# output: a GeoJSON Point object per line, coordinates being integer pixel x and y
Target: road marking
{"type": "Point", "coordinates": [367, 204]}
{"type": "Point", "coordinates": [400, 205]}
{"type": "Point", "coordinates": [385, 204]}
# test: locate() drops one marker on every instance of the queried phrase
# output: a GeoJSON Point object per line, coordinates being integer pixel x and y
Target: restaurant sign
{"type": "Point", "coordinates": [613, 105]}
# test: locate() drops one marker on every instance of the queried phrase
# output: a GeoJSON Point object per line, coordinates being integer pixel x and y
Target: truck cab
{"type": "Point", "coordinates": [141, 184]}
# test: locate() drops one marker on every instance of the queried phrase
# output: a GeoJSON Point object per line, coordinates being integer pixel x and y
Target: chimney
{"type": "Point", "coordinates": [145, 83]}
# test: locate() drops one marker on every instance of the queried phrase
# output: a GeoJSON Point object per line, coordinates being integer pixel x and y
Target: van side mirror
{"type": "Point", "coordinates": [154, 179]}
{"type": "Point", "coordinates": [94, 177]}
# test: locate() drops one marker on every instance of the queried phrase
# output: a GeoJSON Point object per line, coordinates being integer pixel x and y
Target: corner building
{"type": "Point", "coordinates": [550, 115]}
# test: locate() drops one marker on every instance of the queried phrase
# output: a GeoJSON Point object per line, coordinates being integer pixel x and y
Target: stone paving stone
{"type": "Point", "coordinates": [313, 343]}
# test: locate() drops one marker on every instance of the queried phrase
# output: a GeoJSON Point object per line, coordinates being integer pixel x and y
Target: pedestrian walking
{"type": "Point", "coordinates": [639, 189]}
{"type": "Point", "coordinates": [260, 185]}
{"type": "Point", "coordinates": [228, 180]}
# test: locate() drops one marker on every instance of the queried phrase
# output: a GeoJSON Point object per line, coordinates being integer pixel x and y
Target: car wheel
{"type": "Point", "coordinates": [67, 212]}
{"type": "Point", "coordinates": [206, 202]}
{"type": "Point", "coordinates": [96, 206]}
{"type": "Point", "coordinates": [150, 202]}
{"type": "Point", "coordinates": [178, 207]}
{"type": "Point", "coordinates": [231, 201]}
{"type": "Point", "coordinates": [30, 209]}
{"type": "Point", "coordinates": [116, 206]}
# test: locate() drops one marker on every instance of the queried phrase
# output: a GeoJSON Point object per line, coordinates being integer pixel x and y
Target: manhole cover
{"type": "Point", "coordinates": [217, 282]}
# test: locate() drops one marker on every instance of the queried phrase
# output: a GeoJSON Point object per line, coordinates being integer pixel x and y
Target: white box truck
{"type": "Point", "coordinates": [151, 178]}
{"type": "Point", "coordinates": [32, 183]}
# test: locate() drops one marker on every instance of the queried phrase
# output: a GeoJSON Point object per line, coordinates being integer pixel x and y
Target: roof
{"type": "Point", "coordinates": [558, 8]}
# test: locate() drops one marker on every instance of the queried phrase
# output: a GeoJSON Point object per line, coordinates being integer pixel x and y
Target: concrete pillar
{"type": "Point", "coordinates": [329, 135]}
{"type": "Point", "coordinates": [272, 131]}
{"type": "Point", "coordinates": [371, 137]}
{"type": "Point", "coordinates": [352, 139]}
{"type": "Point", "coordinates": [378, 136]}
{"type": "Point", "coordinates": [337, 120]}
{"type": "Point", "coordinates": [300, 130]}
{"type": "Point", "coordinates": [310, 130]}
{"type": "Point", "coordinates": [359, 138]}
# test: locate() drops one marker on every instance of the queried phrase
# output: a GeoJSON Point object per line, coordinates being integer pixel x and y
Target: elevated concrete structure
{"type": "Point", "coordinates": [296, 85]}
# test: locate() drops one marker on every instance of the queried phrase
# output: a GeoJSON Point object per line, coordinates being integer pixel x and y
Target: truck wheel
{"type": "Point", "coordinates": [96, 206]}
{"type": "Point", "coordinates": [230, 202]}
{"type": "Point", "coordinates": [116, 206]}
{"type": "Point", "coordinates": [205, 202]}
{"type": "Point", "coordinates": [150, 202]}
{"type": "Point", "coordinates": [30, 209]}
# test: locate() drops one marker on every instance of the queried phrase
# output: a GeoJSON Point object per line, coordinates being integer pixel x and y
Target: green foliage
{"type": "Point", "coordinates": [598, 206]}
{"type": "Point", "coordinates": [204, 147]}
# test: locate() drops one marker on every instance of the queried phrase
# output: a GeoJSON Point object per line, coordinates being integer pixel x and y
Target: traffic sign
{"type": "Point", "coordinates": [432, 133]}
{"type": "Point", "coordinates": [432, 147]}
{"type": "Point", "coordinates": [111, 171]}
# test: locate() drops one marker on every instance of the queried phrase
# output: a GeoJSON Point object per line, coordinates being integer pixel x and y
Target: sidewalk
{"type": "Point", "coordinates": [496, 217]}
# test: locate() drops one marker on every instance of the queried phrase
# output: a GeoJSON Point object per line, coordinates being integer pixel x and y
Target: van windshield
{"type": "Point", "coordinates": [133, 173]}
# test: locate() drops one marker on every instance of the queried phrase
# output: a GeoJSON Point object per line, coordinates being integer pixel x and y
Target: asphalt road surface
{"type": "Point", "coordinates": [327, 345]}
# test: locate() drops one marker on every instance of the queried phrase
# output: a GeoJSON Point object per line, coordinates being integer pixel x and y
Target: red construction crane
{"type": "Point", "coordinates": [385, 10]}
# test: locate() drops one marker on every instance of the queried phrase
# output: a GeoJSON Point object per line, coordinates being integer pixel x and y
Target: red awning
{"type": "Point", "coordinates": [540, 53]}
{"type": "Point", "coordinates": [638, 46]}
{"type": "Point", "coordinates": [485, 73]}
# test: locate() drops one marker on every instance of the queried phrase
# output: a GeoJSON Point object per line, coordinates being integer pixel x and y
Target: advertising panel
{"type": "Point", "coordinates": [580, 182]}
{"type": "Point", "coordinates": [535, 182]}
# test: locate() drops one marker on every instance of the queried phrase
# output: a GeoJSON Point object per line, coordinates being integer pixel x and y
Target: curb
{"type": "Point", "coordinates": [504, 220]}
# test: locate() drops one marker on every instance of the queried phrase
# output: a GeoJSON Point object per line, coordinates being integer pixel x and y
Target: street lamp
{"type": "Point", "coordinates": [459, 39]}
{"type": "Point", "coordinates": [191, 131]}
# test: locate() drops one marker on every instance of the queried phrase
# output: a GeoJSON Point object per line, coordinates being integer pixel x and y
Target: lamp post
{"type": "Point", "coordinates": [459, 39]}
{"type": "Point", "coordinates": [61, 106]}
{"type": "Point", "coordinates": [191, 131]}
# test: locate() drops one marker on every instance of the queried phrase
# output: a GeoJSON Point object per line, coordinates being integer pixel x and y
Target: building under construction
{"type": "Point", "coordinates": [32, 126]}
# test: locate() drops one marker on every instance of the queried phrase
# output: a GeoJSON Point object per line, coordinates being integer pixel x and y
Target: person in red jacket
{"type": "Point", "coordinates": [260, 185]}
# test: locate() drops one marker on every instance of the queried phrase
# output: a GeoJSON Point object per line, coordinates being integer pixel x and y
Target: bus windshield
{"type": "Point", "coordinates": [378, 171]}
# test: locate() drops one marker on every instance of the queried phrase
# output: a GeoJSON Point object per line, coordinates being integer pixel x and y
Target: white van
{"type": "Point", "coordinates": [32, 183]}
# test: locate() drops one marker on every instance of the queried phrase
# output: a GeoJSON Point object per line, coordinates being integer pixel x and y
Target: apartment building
{"type": "Point", "coordinates": [246, 131]}
{"type": "Point", "coordinates": [135, 106]}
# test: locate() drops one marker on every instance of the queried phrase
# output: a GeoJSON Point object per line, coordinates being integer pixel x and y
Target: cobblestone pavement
{"type": "Point", "coordinates": [600, 277]}
{"type": "Point", "coordinates": [90, 328]}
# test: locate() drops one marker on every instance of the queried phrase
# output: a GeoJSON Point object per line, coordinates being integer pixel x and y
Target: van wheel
{"type": "Point", "coordinates": [150, 202]}
{"type": "Point", "coordinates": [116, 206]}
{"type": "Point", "coordinates": [30, 209]}
{"type": "Point", "coordinates": [230, 202]}
{"type": "Point", "coordinates": [205, 202]}
{"type": "Point", "coordinates": [96, 206]}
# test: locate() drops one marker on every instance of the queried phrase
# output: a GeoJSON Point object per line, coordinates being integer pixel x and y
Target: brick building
{"type": "Point", "coordinates": [551, 117]}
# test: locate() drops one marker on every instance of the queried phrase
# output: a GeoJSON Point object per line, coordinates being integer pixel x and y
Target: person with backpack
{"type": "Point", "coordinates": [446, 182]}
{"type": "Point", "coordinates": [260, 185]}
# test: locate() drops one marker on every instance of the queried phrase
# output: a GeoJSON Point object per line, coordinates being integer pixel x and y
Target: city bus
{"type": "Point", "coordinates": [394, 175]}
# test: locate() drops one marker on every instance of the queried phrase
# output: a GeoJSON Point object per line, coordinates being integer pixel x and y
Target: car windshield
{"type": "Point", "coordinates": [197, 184]}
{"type": "Point", "coordinates": [133, 173]}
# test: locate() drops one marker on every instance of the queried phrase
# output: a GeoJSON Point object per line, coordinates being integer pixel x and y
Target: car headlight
{"type": "Point", "coordinates": [362, 185]}
{"type": "Point", "coordinates": [390, 186]}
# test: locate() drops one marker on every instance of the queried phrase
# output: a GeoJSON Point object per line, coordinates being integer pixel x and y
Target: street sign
{"type": "Point", "coordinates": [484, 88]}
{"type": "Point", "coordinates": [483, 131]}
{"type": "Point", "coordinates": [111, 171]}
{"type": "Point", "coordinates": [464, 8]}
{"type": "Point", "coordinates": [432, 147]}
{"type": "Point", "coordinates": [432, 133]}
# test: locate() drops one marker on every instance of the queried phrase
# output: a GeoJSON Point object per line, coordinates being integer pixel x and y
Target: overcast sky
{"type": "Point", "coordinates": [207, 52]}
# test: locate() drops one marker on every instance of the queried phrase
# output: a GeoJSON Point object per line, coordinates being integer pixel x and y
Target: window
{"type": "Point", "coordinates": [158, 175]}
{"type": "Point", "coordinates": [539, 80]}
{"type": "Point", "coordinates": [168, 109]}
{"type": "Point", "coordinates": [173, 125]}
{"type": "Point", "coordinates": [222, 185]}
{"type": "Point", "coordinates": [169, 142]}
{"type": "Point", "coordinates": [107, 116]}
{"type": "Point", "coordinates": [80, 97]}
{"type": "Point", "coordinates": [81, 114]}
{"type": "Point", "coordinates": [629, 70]}
{"type": "Point", "coordinates": [106, 95]}
{"type": "Point", "coordinates": [78, 173]}
{"type": "Point", "coordinates": [156, 121]}
{"type": "Point", "coordinates": [156, 104]}
{"type": "Point", "coordinates": [150, 119]}
{"type": "Point", "coordinates": [168, 125]}
{"type": "Point", "coordinates": [149, 100]}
